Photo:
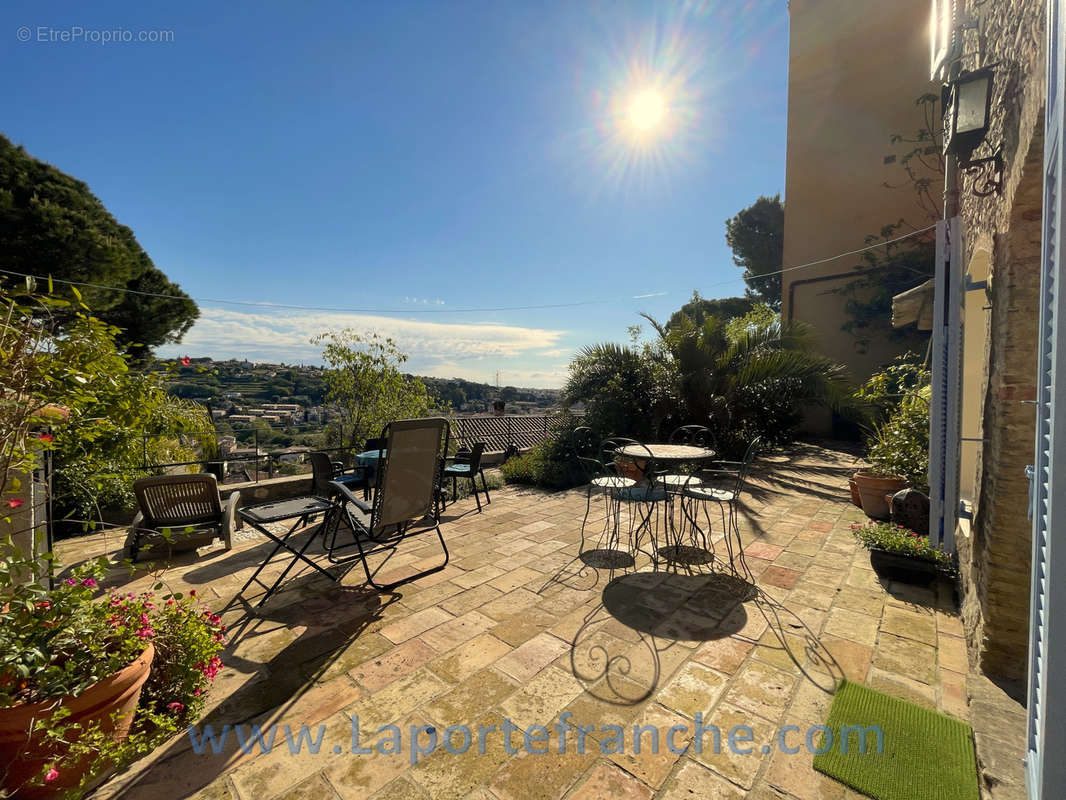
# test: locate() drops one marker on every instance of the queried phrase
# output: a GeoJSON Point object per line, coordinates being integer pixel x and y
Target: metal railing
{"type": "Point", "coordinates": [501, 434]}
{"type": "Point", "coordinates": [505, 432]}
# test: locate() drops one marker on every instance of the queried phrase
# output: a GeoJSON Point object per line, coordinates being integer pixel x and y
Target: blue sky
{"type": "Point", "coordinates": [415, 158]}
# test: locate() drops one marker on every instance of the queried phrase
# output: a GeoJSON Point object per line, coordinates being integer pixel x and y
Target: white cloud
{"type": "Point", "coordinates": [524, 356]}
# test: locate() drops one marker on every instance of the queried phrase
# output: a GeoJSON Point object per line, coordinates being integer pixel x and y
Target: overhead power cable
{"type": "Point", "coordinates": [337, 309]}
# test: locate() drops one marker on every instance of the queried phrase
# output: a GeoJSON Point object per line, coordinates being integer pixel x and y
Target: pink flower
{"type": "Point", "coordinates": [198, 692]}
{"type": "Point", "coordinates": [51, 775]}
{"type": "Point", "coordinates": [145, 633]}
{"type": "Point", "coordinates": [186, 361]}
{"type": "Point", "coordinates": [212, 669]}
{"type": "Point", "coordinates": [145, 620]}
{"type": "Point", "coordinates": [176, 707]}
{"type": "Point", "coordinates": [89, 582]}
{"type": "Point", "coordinates": [15, 502]}
{"type": "Point", "coordinates": [70, 582]}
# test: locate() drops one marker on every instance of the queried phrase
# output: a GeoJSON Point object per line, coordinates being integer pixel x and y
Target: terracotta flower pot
{"type": "Point", "coordinates": [22, 760]}
{"type": "Point", "coordinates": [631, 469]}
{"type": "Point", "coordinates": [854, 487]}
{"type": "Point", "coordinates": [872, 491]}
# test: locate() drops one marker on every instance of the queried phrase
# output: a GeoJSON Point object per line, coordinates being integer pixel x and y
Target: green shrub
{"type": "Point", "coordinates": [896, 403]}
{"type": "Point", "coordinates": [900, 445]}
{"type": "Point", "coordinates": [522, 469]}
{"type": "Point", "coordinates": [887, 388]}
{"type": "Point", "coordinates": [550, 464]}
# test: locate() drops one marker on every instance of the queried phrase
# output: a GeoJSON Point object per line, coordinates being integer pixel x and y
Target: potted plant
{"type": "Point", "coordinates": [900, 554]}
{"type": "Point", "coordinates": [873, 486]}
{"type": "Point", "coordinates": [898, 444]}
{"type": "Point", "coordinates": [92, 680]}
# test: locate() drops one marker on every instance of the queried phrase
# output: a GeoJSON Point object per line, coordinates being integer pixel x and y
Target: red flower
{"type": "Point", "coordinates": [185, 361]}
{"type": "Point", "coordinates": [51, 775]}
{"type": "Point", "coordinates": [15, 502]}
{"type": "Point", "coordinates": [47, 437]}
{"type": "Point", "coordinates": [176, 707]}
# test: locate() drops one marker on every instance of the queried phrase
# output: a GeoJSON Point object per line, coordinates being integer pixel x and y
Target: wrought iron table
{"type": "Point", "coordinates": [674, 454]}
{"type": "Point", "coordinates": [666, 452]}
{"type": "Point", "coordinates": [300, 509]}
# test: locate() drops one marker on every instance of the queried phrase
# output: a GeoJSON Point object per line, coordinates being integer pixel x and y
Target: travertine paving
{"type": "Point", "coordinates": [519, 633]}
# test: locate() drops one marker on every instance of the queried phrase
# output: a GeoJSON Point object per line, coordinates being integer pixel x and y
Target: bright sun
{"type": "Point", "coordinates": [647, 110]}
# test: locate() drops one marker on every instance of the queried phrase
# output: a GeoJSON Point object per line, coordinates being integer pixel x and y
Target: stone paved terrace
{"type": "Point", "coordinates": [515, 627]}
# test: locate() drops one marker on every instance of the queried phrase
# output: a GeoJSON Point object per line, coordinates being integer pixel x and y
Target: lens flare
{"type": "Point", "coordinates": [647, 110]}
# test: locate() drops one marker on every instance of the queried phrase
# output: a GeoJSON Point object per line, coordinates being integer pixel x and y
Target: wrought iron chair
{"type": "Point", "coordinates": [642, 498]}
{"type": "Point", "coordinates": [467, 464]}
{"type": "Point", "coordinates": [406, 493]}
{"type": "Point", "coordinates": [176, 513]}
{"type": "Point", "coordinates": [600, 478]}
{"type": "Point", "coordinates": [696, 436]}
{"type": "Point", "coordinates": [732, 476]}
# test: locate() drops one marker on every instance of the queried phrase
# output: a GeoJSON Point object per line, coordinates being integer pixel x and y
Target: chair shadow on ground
{"type": "Point", "coordinates": [670, 612]}
{"type": "Point", "coordinates": [270, 690]}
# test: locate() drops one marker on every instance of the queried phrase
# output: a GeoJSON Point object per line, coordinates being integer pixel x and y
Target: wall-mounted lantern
{"type": "Point", "coordinates": [967, 118]}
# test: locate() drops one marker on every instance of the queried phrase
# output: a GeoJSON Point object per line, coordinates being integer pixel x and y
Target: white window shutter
{"type": "Point", "coordinates": [1046, 706]}
{"type": "Point", "coordinates": [945, 402]}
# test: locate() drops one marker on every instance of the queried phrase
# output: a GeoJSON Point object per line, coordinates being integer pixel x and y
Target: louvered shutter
{"type": "Point", "coordinates": [1046, 707]}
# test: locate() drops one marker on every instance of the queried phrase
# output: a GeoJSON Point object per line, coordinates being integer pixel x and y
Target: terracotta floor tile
{"type": "Point", "coordinates": [531, 657]}
{"type": "Point", "coordinates": [456, 631]}
{"type": "Point", "coordinates": [725, 655]}
{"type": "Point", "coordinates": [469, 657]}
{"type": "Point", "coordinates": [608, 782]}
{"type": "Point", "coordinates": [780, 576]}
{"type": "Point", "coordinates": [417, 623]}
{"type": "Point", "coordinates": [400, 661]}
{"type": "Point", "coordinates": [673, 735]}
{"type": "Point", "coordinates": [694, 780]}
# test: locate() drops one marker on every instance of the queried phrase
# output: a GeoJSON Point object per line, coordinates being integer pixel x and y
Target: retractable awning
{"type": "Point", "coordinates": [914, 305]}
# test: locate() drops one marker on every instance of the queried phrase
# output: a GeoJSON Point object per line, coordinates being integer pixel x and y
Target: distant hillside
{"type": "Point", "coordinates": [249, 383]}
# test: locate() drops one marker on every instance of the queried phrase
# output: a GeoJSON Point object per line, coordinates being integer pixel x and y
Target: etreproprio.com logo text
{"type": "Point", "coordinates": [422, 740]}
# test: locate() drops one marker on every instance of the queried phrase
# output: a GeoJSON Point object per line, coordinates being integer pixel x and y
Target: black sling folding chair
{"type": "Point", "coordinates": [404, 501]}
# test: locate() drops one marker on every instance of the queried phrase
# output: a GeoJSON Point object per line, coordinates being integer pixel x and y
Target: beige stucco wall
{"type": "Point", "coordinates": [856, 68]}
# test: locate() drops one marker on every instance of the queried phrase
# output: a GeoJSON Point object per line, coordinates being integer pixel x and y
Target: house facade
{"type": "Point", "coordinates": [846, 99]}
{"type": "Point", "coordinates": [998, 393]}
{"type": "Point", "coordinates": [999, 313]}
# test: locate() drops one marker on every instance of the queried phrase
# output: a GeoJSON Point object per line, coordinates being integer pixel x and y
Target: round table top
{"type": "Point", "coordinates": [666, 452]}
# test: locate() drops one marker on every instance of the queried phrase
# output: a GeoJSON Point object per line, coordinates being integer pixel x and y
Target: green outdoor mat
{"type": "Point", "coordinates": [926, 755]}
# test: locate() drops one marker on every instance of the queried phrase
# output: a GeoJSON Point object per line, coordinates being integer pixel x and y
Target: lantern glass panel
{"type": "Point", "coordinates": [971, 113]}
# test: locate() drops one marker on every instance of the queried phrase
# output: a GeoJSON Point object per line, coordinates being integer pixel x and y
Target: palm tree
{"type": "Point", "coordinates": [750, 382]}
{"type": "Point", "coordinates": [626, 391]}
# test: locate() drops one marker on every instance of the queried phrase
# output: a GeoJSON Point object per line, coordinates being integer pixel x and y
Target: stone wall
{"type": "Point", "coordinates": [995, 554]}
